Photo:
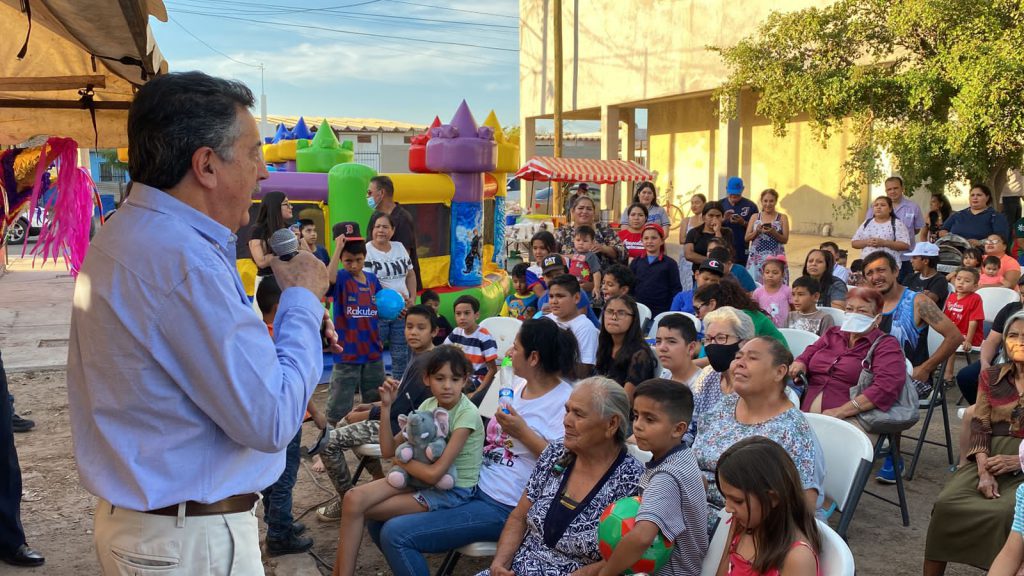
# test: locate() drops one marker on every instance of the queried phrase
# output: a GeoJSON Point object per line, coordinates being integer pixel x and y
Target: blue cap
{"type": "Point", "coordinates": [734, 186]}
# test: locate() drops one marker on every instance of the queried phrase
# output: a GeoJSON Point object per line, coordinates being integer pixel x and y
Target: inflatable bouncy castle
{"type": "Point", "coordinates": [455, 194]}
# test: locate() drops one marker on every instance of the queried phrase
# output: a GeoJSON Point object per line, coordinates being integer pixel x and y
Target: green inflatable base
{"type": "Point", "coordinates": [491, 295]}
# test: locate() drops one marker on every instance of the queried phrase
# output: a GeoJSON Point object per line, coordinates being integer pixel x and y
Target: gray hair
{"type": "Point", "coordinates": [610, 400]}
{"type": "Point", "coordinates": [740, 324]}
{"type": "Point", "coordinates": [1017, 317]}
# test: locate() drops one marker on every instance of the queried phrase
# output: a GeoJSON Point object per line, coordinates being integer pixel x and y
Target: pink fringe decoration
{"type": "Point", "coordinates": [65, 233]}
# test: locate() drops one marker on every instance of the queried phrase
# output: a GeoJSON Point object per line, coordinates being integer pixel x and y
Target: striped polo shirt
{"type": "Point", "coordinates": [479, 347]}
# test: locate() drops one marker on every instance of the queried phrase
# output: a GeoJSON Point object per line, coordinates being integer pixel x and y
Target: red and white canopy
{"type": "Point", "coordinates": [582, 170]}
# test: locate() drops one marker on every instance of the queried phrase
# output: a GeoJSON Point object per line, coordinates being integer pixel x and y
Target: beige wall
{"type": "Point", "coordinates": [618, 52]}
{"type": "Point", "coordinates": [651, 54]}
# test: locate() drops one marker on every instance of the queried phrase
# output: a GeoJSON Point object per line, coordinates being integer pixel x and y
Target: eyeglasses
{"type": "Point", "coordinates": [990, 241]}
{"type": "Point", "coordinates": [717, 339]}
{"type": "Point", "coordinates": [618, 313]}
{"type": "Point", "coordinates": [286, 204]}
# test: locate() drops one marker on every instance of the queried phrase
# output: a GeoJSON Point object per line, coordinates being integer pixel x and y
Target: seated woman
{"type": "Point", "coordinates": [725, 330]}
{"type": "Point", "coordinates": [819, 265]}
{"type": "Point", "coordinates": [544, 356]}
{"type": "Point", "coordinates": [974, 512]}
{"type": "Point", "coordinates": [758, 407]}
{"type": "Point", "coordinates": [832, 364]}
{"type": "Point", "coordinates": [1011, 558]}
{"type": "Point", "coordinates": [729, 293]}
{"type": "Point", "coordinates": [622, 353]}
{"type": "Point", "coordinates": [553, 529]}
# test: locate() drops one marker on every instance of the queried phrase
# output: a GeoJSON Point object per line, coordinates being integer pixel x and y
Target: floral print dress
{"type": "Point", "coordinates": [577, 547]}
{"type": "Point", "coordinates": [789, 429]}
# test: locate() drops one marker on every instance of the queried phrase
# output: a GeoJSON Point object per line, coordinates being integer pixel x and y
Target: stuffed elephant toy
{"type": "Point", "coordinates": [425, 434]}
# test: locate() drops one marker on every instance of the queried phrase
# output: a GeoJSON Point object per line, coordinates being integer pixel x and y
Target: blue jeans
{"type": "Point", "coordinates": [277, 499]}
{"type": "Point", "coordinates": [404, 539]}
{"type": "Point", "coordinates": [393, 332]}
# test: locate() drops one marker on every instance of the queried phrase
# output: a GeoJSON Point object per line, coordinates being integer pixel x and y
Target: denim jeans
{"type": "Point", "coordinates": [404, 539]}
{"type": "Point", "coordinates": [277, 499]}
{"type": "Point", "coordinates": [393, 332]}
{"type": "Point", "coordinates": [967, 381]}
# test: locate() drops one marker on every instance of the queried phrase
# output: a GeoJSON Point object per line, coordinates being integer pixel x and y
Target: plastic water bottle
{"type": "Point", "coordinates": [505, 392]}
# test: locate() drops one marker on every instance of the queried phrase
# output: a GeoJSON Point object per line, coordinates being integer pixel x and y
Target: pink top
{"type": "Point", "coordinates": [776, 305]}
{"type": "Point", "coordinates": [740, 566]}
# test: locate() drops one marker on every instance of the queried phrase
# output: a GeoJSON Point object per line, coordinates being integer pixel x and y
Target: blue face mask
{"type": "Point", "coordinates": [371, 202]}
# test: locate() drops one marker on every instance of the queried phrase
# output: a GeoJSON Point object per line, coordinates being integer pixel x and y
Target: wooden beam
{"type": "Point", "coordinates": [41, 83]}
{"type": "Point", "coordinates": [64, 104]}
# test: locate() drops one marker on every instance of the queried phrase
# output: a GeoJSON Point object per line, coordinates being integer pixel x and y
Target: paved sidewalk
{"type": "Point", "coordinates": [35, 313]}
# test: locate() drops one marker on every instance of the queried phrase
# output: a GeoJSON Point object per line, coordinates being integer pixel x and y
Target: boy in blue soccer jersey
{"type": "Point", "coordinates": [360, 365]}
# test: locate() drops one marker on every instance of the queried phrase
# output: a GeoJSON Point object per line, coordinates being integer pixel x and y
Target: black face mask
{"type": "Point", "coordinates": [721, 355]}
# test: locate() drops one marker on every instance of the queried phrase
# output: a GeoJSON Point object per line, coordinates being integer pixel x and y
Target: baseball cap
{"type": "Point", "coordinates": [713, 266]}
{"type": "Point", "coordinates": [654, 226]}
{"type": "Point", "coordinates": [551, 262]}
{"type": "Point", "coordinates": [350, 230]}
{"type": "Point", "coordinates": [734, 186]}
{"type": "Point", "coordinates": [926, 249]}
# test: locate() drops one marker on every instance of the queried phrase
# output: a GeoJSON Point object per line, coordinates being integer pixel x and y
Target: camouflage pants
{"type": "Point", "coordinates": [348, 436]}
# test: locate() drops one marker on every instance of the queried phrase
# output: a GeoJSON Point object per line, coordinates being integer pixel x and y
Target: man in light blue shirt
{"type": "Point", "coordinates": [181, 403]}
{"type": "Point", "coordinates": [909, 213]}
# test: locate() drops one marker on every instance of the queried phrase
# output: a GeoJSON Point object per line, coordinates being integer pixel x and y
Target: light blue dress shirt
{"type": "Point", "coordinates": [176, 390]}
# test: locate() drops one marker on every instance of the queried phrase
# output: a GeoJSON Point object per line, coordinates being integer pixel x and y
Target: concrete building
{"type": "Point", "coordinates": [380, 144]}
{"type": "Point", "coordinates": [623, 57]}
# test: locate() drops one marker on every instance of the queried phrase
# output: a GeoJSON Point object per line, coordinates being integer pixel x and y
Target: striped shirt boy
{"type": "Point", "coordinates": [479, 347]}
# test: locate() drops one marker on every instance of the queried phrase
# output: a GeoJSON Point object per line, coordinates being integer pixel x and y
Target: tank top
{"type": "Point", "coordinates": [740, 566]}
{"type": "Point", "coordinates": [900, 323]}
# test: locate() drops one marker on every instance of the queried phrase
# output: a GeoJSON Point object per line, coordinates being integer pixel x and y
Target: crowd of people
{"type": "Point", "coordinates": [199, 418]}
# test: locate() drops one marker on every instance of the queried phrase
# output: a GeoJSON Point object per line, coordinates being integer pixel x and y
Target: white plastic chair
{"type": "Point", "coordinates": [645, 314]}
{"type": "Point", "coordinates": [993, 298]}
{"type": "Point", "coordinates": [910, 367]}
{"type": "Point", "coordinates": [474, 550]}
{"type": "Point", "coordinates": [848, 459]}
{"type": "Point", "coordinates": [716, 545]}
{"type": "Point", "coordinates": [837, 315]}
{"type": "Point", "coordinates": [504, 330]}
{"type": "Point", "coordinates": [835, 556]}
{"type": "Point", "coordinates": [798, 340]}
{"type": "Point", "coordinates": [642, 456]}
{"type": "Point", "coordinates": [657, 321]}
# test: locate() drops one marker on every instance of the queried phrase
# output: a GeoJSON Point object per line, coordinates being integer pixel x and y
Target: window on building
{"type": "Point", "coordinates": [364, 139]}
{"type": "Point", "coordinates": [407, 139]}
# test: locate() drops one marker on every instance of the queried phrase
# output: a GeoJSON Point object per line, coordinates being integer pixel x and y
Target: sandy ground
{"type": "Point", "coordinates": [57, 512]}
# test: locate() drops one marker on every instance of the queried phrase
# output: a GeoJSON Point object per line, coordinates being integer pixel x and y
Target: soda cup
{"type": "Point", "coordinates": [504, 399]}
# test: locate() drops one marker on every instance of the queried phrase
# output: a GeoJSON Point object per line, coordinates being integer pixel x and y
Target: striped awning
{"type": "Point", "coordinates": [582, 170]}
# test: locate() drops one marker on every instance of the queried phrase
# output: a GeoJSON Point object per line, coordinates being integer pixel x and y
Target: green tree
{"type": "Point", "coordinates": [936, 84]}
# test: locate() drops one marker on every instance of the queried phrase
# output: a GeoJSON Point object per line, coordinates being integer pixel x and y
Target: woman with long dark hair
{"type": "Point", "coordinates": [647, 196]}
{"type": "Point", "coordinates": [939, 210]}
{"type": "Point", "coordinates": [819, 265]}
{"type": "Point", "coordinates": [274, 214]}
{"type": "Point", "coordinates": [622, 353]}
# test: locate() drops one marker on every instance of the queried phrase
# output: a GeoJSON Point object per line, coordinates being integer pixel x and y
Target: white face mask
{"type": "Point", "coordinates": [855, 323]}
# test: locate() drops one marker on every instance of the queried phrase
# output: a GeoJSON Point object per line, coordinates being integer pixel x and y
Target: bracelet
{"type": "Point", "coordinates": [856, 405]}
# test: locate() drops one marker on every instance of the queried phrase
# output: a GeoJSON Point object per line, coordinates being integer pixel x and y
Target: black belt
{"type": "Point", "coordinates": [229, 505]}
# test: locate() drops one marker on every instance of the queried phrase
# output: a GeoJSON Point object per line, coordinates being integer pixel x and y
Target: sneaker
{"type": "Point", "coordinates": [924, 389]}
{"type": "Point", "coordinates": [887, 473]}
{"type": "Point", "coordinates": [22, 424]}
{"type": "Point", "coordinates": [291, 545]}
{"type": "Point", "coordinates": [330, 512]}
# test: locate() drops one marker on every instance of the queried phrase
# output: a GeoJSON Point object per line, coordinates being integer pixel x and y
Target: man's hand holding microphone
{"type": "Point", "coordinates": [294, 267]}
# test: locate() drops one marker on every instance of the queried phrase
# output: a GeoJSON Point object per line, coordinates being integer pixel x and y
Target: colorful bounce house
{"type": "Point", "coordinates": [455, 194]}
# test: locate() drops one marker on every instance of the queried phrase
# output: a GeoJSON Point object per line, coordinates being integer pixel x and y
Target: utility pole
{"type": "Point", "coordinates": [556, 190]}
{"type": "Point", "coordinates": [264, 126]}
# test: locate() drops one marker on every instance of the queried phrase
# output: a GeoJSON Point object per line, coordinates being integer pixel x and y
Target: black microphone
{"type": "Point", "coordinates": [284, 244]}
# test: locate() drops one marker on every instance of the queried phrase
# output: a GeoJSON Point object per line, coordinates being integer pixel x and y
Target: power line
{"type": "Point", "coordinates": [352, 32]}
{"type": "Point", "coordinates": [283, 10]}
{"type": "Point", "coordinates": [454, 9]}
{"type": "Point", "coordinates": [203, 42]}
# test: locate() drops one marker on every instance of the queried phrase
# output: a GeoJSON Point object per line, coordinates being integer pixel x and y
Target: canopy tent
{"type": "Point", "coordinates": [63, 60]}
{"type": "Point", "coordinates": [582, 170]}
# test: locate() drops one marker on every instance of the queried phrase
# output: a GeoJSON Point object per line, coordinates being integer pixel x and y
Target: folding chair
{"type": "Point", "coordinates": [835, 556]}
{"type": "Point", "coordinates": [798, 340]}
{"type": "Point", "coordinates": [848, 459]}
{"type": "Point", "coordinates": [893, 451]}
{"type": "Point", "coordinates": [657, 321]}
{"type": "Point", "coordinates": [503, 330]}
{"type": "Point", "coordinates": [645, 314]}
{"type": "Point", "coordinates": [937, 399]}
{"type": "Point", "coordinates": [837, 315]}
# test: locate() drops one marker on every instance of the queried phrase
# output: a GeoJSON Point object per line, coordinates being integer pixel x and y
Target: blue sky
{"type": "Point", "coordinates": [381, 70]}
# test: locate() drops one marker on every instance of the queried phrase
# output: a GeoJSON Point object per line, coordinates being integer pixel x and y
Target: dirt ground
{"type": "Point", "coordinates": [57, 512]}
